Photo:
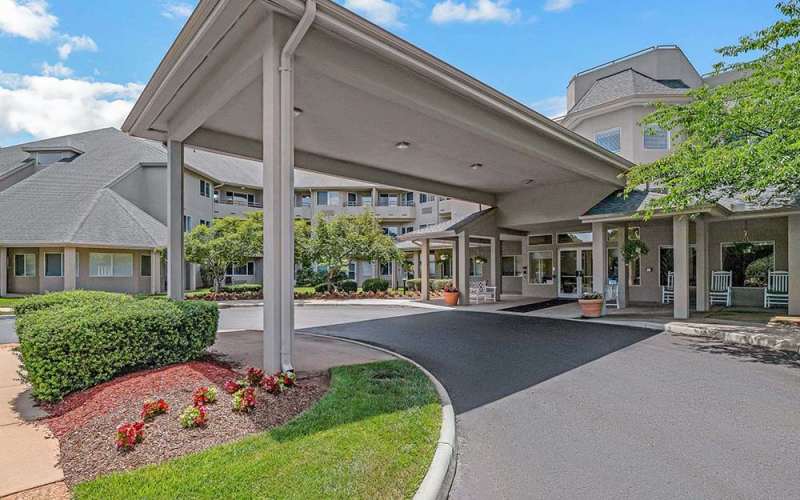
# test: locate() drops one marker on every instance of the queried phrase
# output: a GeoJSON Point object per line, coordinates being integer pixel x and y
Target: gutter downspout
{"type": "Point", "coordinates": [286, 70]}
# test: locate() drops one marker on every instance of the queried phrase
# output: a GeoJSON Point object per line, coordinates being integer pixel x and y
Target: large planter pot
{"type": "Point", "coordinates": [451, 298]}
{"type": "Point", "coordinates": [591, 308]}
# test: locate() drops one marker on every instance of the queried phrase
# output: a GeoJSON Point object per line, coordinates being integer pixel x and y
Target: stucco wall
{"type": "Point", "coordinates": [21, 284]}
{"type": "Point", "coordinates": [146, 187]}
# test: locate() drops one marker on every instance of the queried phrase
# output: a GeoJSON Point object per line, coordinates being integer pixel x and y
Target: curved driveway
{"type": "Point", "coordinates": [561, 409]}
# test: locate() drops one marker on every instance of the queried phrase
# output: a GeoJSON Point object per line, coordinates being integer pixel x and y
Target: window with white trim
{"type": "Point", "coordinates": [540, 267]}
{"type": "Point", "coordinates": [110, 265]}
{"type": "Point", "coordinates": [205, 189]}
{"type": "Point", "coordinates": [54, 264]}
{"type": "Point", "coordinates": [509, 265]}
{"type": "Point", "coordinates": [248, 269]}
{"type": "Point", "coordinates": [146, 262]}
{"type": "Point", "coordinates": [351, 271]}
{"type": "Point", "coordinates": [540, 239]}
{"type": "Point", "coordinates": [25, 265]}
{"type": "Point", "coordinates": [609, 139]}
{"type": "Point", "coordinates": [655, 137]}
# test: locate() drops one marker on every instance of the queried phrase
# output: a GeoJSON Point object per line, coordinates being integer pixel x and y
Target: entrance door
{"type": "Point", "coordinates": [574, 272]}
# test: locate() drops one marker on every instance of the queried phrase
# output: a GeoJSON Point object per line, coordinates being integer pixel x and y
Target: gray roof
{"type": "Point", "coordinates": [626, 83]}
{"type": "Point", "coordinates": [618, 203]}
{"type": "Point", "coordinates": [72, 203]}
{"type": "Point", "coordinates": [224, 169]}
{"type": "Point", "coordinates": [448, 226]}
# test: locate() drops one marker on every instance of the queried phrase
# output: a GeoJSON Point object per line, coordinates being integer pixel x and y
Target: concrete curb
{"type": "Point", "coordinates": [737, 335]}
{"type": "Point", "coordinates": [439, 478]}
{"type": "Point", "coordinates": [354, 302]}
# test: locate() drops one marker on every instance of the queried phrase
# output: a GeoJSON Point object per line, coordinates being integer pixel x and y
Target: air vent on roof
{"type": "Point", "coordinates": [47, 155]}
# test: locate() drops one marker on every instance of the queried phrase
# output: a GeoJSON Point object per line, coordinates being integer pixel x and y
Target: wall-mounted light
{"type": "Point", "coordinates": [403, 145]}
{"type": "Point", "coordinates": [298, 111]}
{"type": "Point", "coordinates": [528, 182]}
{"type": "Point", "coordinates": [476, 166]}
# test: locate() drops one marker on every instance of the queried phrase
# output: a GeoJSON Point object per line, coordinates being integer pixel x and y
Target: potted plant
{"type": "Point", "coordinates": [591, 305]}
{"type": "Point", "coordinates": [451, 294]}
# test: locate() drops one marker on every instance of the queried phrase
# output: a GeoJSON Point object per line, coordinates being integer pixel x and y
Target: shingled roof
{"type": "Point", "coordinates": [626, 83]}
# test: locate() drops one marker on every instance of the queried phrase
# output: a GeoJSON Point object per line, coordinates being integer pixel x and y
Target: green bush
{"type": "Point", "coordinates": [439, 284]}
{"type": "Point", "coordinates": [242, 287]}
{"type": "Point", "coordinates": [322, 288]}
{"type": "Point", "coordinates": [75, 345]}
{"type": "Point", "coordinates": [433, 285]}
{"type": "Point", "coordinates": [348, 286]}
{"type": "Point", "coordinates": [375, 285]}
{"type": "Point", "coordinates": [74, 298]}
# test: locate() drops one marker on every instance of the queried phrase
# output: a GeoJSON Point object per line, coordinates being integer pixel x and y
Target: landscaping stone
{"type": "Point", "coordinates": [777, 336]}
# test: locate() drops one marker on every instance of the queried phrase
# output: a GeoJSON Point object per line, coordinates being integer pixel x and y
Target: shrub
{"type": "Point", "coordinates": [244, 399]}
{"type": "Point", "coordinates": [204, 395]}
{"type": "Point", "coordinates": [72, 346]}
{"type": "Point", "coordinates": [254, 376]}
{"type": "Point", "coordinates": [375, 285]}
{"type": "Point", "coordinates": [194, 416]}
{"type": "Point", "coordinates": [242, 287]}
{"type": "Point", "coordinates": [440, 284]}
{"type": "Point", "coordinates": [323, 288]}
{"type": "Point", "coordinates": [348, 286]}
{"type": "Point", "coordinates": [152, 408]}
{"type": "Point", "coordinates": [272, 385]}
{"type": "Point", "coordinates": [289, 379]}
{"type": "Point", "coordinates": [433, 285]}
{"type": "Point", "coordinates": [232, 386]}
{"type": "Point", "coordinates": [74, 298]}
{"type": "Point", "coordinates": [129, 435]}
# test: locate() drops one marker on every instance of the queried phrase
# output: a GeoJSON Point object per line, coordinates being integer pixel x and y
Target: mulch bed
{"type": "Point", "coordinates": [85, 422]}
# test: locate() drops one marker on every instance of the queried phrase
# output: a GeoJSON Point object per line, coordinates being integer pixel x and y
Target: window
{"type": "Point", "coordinates": [425, 198]}
{"type": "Point", "coordinates": [54, 265]}
{"type": "Point", "coordinates": [303, 200]}
{"type": "Point", "coordinates": [366, 200]}
{"type": "Point", "coordinates": [205, 189]}
{"type": "Point", "coordinates": [475, 267]}
{"type": "Point", "coordinates": [540, 239]}
{"type": "Point", "coordinates": [204, 222]}
{"type": "Point", "coordinates": [509, 264]}
{"type": "Point", "coordinates": [408, 199]}
{"type": "Point", "coordinates": [666, 263]}
{"type": "Point", "coordinates": [749, 262]}
{"type": "Point", "coordinates": [423, 226]}
{"type": "Point", "coordinates": [146, 270]}
{"type": "Point", "coordinates": [49, 157]}
{"type": "Point", "coordinates": [406, 229]}
{"type": "Point", "coordinates": [613, 265]}
{"type": "Point", "coordinates": [187, 223]}
{"type": "Point", "coordinates": [392, 231]}
{"type": "Point", "coordinates": [540, 268]}
{"type": "Point", "coordinates": [575, 237]}
{"type": "Point", "coordinates": [248, 269]}
{"type": "Point", "coordinates": [110, 265]}
{"type": "Point", "coordinates": [25, 265]}
{"type": "Point", "coordinates": [386, 269]}
{"type": "Point", "coordinates": [609, 139]}
{"type": "Point", "coordinates": [351, 271]}
{"type": "Point", "coordinates": [656, 137]}
{"type": "Point", "coordinates": [352, 200]}
{"type": "Point", "coordinates": [328, 198]}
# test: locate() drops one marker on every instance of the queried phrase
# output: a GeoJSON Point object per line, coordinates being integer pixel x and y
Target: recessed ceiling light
{"type": "Point", "coordinates": [298, 111]}
{"type": "Point", "coordinates": [403, 145]}
{"type": "Point", "coordinates": [476, 166]}
{"type": "Point", "coordinates": [527, 181]}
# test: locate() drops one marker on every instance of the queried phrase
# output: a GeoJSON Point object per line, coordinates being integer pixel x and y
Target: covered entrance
{"type": "Point", "coordinates": [574, 272]}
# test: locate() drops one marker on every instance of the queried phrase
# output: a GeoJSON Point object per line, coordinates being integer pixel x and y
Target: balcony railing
{"type": "Point", "coordinates": [398, 203]}
{"type": "Point", "coordinates": [239, 203]}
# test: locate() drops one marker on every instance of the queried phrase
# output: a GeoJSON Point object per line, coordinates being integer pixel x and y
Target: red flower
{"type": "Point", "coordinates": [289, 378]}
{"type": "Point", "coordinates": [254, 376]}
{"type": "Point", "coordinates": [232, 386]}
{"type": "Point", "coordinates": [129, 434]}
{"type": "Point", "coordinates": [204, 395]}
{"type": "Point", "coordinates": [152, 408]}
{"type": "Point", "coordinates": [244, 399]}
{"type": "Point", "coordinates": [272, 384]}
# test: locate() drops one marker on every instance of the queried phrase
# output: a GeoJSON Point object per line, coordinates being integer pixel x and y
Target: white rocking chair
{"type": "Point", "coordinates": [668, 292]}
{"type": "Point", "coordinates": [720, 292]}
{"type": "Point", "coordinates": [777, 291]}
{"type": "Point", "coordinates": [480, 291]}
{"type": "Point", "coordinates": [612, 295]}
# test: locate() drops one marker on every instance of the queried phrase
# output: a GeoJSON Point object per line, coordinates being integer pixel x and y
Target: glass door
{"type": "Point", "coordinates": [574, 272]}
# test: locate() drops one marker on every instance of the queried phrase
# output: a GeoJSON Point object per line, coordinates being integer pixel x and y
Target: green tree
{"type": "Point", "coordinates": [337, 241]}
{"type": "Point", "coordinates": [741, 137]}
{"type": "Point", "coordinates": [228, 241]}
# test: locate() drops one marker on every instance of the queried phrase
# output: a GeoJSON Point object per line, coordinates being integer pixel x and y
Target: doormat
{"type": "Point", "coordinates": [539, 305]}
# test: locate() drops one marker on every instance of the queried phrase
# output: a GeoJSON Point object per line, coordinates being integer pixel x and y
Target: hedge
{"type": "Point", "coordinates": [433, 285]}
{"type": "Point", "coordinates": [348, 286]}
{"type": "Point", "coordinates": [78, 344]}
{"type": "Point", "coordinates": [375, 285]}
{"type": "Point", "coordinates": [74, 298]}
{"type": "Point", "coordinates": [242, 287]}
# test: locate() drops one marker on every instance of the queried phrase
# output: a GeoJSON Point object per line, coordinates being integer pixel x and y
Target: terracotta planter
{"type": "Point", "coordinates": [451, 298]}
{"type": "Point", "coordinates": [591, 308]}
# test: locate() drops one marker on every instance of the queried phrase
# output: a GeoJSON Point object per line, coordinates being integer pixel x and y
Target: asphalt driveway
{"type": "Point", "coordinates": [561, 409]}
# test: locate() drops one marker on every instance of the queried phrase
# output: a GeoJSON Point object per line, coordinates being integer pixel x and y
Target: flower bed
{"type": "Point", "coordinates": [97, 432]}
{"type": "Point", "coordinates": [390, 294]}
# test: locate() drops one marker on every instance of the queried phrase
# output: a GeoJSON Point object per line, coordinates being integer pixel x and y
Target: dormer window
{"type": "Point", "coordinates": [44, 156]}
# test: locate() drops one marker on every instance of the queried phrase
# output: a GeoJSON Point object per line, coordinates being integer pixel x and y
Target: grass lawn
{"type": "Point", "coordinates": [10, 301]}
{"type": "Point", "coordinates": [373, 435]}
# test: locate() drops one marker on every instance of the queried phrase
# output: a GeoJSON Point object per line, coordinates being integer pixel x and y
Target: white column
{"type": "Point", "coordinates": [155, 272]}
{"type": "Point", "coordinates": [680, 242]}
{"type": "Point", "coordinates": [417, 269]}
{"type": "Point", "coordinates": [455, 277]}
{"type": "Point", "coordinates": [599, 257]}
{"type": "Point", "coordinates": [794, 265]}
{"type": "Point", "coordinates": [701, 278]}
{"type": "Point", "coordinates": [3, 271]}
{"type": "Point", "coordinates": [622, 273]}
{"type": "Point", "coordinates": [70, 271]}
{"type": "Point", "coordinates": [193, 270]}
{"type": "Point", "coordinates": [496, 266]}
{"type": "Point", "coordinates": [40, 270]}
{"type": "Point", "coordinates": [175, 267]}
{"type": "Point", "coordinates": [463, 268]}
{"type": "Point", "coordinates": [424, 269]}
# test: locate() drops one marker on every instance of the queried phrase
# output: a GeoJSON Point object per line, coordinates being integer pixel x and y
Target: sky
{"type": "Point", "coordinates": [73, 65]}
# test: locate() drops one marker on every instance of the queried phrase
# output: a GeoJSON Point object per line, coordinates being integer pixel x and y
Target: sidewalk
{"type": "Point", "coordinates": [29, 457]}
{"type": "Point", "coordinates": [773, 336]}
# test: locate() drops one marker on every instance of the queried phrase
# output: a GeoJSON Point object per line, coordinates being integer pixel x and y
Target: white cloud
{"type": "Point", "coordinates": [477, 11]}
{"type": "Point", "coordinates": [551, 107]}
{"type": "Point", "coordinates": [381, 12]}
{"type": "Point", "coordinates": [27, 19]}
{"type": "Point", "coordinates": [46, 106]}
{"type": "Point", "coordinates": [559, 5]}
{"type": "Point", "coordinates": [177, 10]}
{"type": "Point", "coordinates": [70, 44]}
{"type": "Point", "coordinates": [56, 69]}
